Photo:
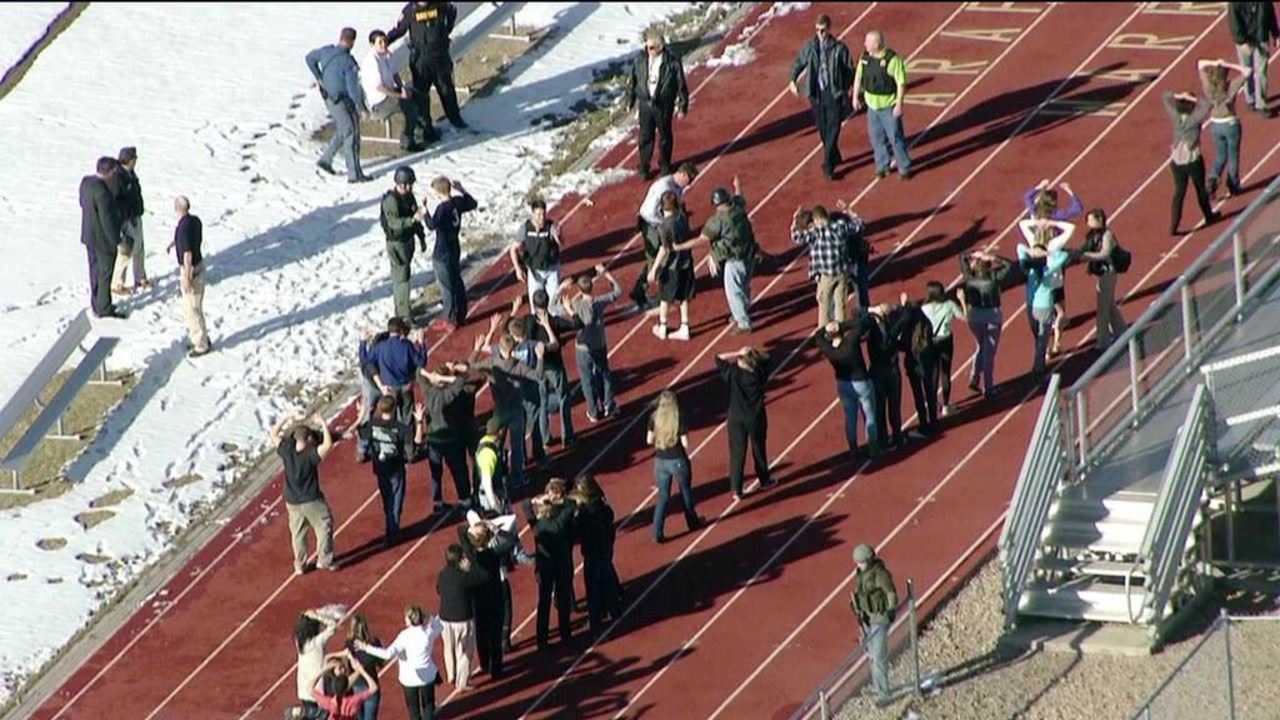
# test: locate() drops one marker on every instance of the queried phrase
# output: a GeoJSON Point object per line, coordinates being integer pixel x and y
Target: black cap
{"type": "Point", "coordinates": [720, 196]}
{"type": "Point", "coordinates": [128, 154]}
{"type": "Point", "coordinates": [405, 175]}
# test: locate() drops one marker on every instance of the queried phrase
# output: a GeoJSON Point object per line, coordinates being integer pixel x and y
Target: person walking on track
{"type": "Point", "coordinates": [1254, 30]}
{"type": "Point", "coordinates": [358, 631]}
{"type": "Point", "coordinates": [941, 309]}
{"type": "Point", "coordinates": [130, 207]}
{"type": "Point", "coordinates": [830, 74]}
{"type": "Point", "coordinates": [670, 440]}
{"type": "Point", "coordinates": [100, 234]}
{"type": "Point", "coordinates": [401, 223]}
{"type": "Point", "coordinates": [886, 373]}
{"type": "Point", "coordinates": [746, 371]}
{"type": "Point", "coordinates": [829, 244]}
{"type": "Point", "coordinates": [882, 80]}
{"type": "Point", "coordinates": [333, 691]}
{"type": "Point", "coordinates": [875, 603]}
{"type": "Point", "coordinates": [656, 83]}
{"type": "Point", "coordinates": [673, 270]}
{"type": "Point", "coordinates": [596, 533]}
{"type": "Point", "coordinates": [649, 221]}
{"type": "Point", "coordinates": [429, 25]}
{"type": "Point", "coordinates": [984, 276]}
{"type": "Point", "coordinates": [535, 254]}
{"type": "Point", "coordinates": [489, 545]}
{"type": "Point", "coordinates": [445, 442]}
{"type": "Point", "coordinates": [590, 345]}
{"type": "Point", "coordinates": [1185, 161]}
{"type": "Point", "coordinates": [457, 584]}
{"type": "Point", "coordinates": [311, 631]}
{"type": "Point", "coordinates": [338, 77]}
{"type": "Point", "coordinates": [1106, 258]}
{"type": "Point", "coordinates": [552, 525]}
{"type": "Point", "coordinates": [540, 326]}
{"type": "Point", "coordinates": [1040, 257]}
{"type": "Point", "coordinates": [188, 237]}
{"type": "Point", "coordinates": [1220, 89]}
{"type": "Point", "coordinates": [452, 200]}
{"type": "Point", "coordinates": [412, 650]}
{"type": "Point", "coordinates": [841, 344]}
{"type": "Point", "coordinates": [733, 252]}
{"type": "Point", "coordinates": [303, 499]}
{"type": "Point", "coordinates": [391, 443]}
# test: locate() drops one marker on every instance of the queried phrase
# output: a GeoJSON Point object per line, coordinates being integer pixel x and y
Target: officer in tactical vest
{"type": "Point", "coordinates": [881, 78]}
{"type": "Point", "coordinates": [428, 25]}
{"type": "Point", "coordinates": [875, 603]}
{"type": "Point", "coordinates": [402, 222]}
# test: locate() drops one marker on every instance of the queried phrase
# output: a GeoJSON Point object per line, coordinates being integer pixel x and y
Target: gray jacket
{"type": "Point", "coordinates": [338, 74]}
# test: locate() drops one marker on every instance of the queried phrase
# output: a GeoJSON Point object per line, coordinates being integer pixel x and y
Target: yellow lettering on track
{"type": "Point", "coordinates": [1000, 35]}
{"type": "Point", "coordinates": [1003, 7]}
{"type": "Point", "coordinates": [942, 66]}
{"type": "Point", "coordinates": [1131, 75]}
{"type": "Point", "coordinates": [1208, 9]}
{"type": "Point", "coordinates": [928, 99]}
{"type": "Point", "coordinates": [1147, 41]}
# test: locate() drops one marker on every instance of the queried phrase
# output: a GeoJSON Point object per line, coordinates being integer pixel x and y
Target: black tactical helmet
{"type": "Point", "coordinates": [719, 196]}
{"type": "Point", "coordinates": [404, 175]}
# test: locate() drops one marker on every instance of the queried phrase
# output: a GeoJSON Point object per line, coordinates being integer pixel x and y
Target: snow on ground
{"type": "Point", "coordinates": [741, 53]}
{"type": "Point", "coordinates": [24, 23]}
{"type": "Point", "coordinates": [295, 259]}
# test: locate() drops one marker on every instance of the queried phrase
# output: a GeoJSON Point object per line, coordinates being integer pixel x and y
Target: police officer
{"type": "Point", "coordinates": [830, 75]}
{"type": "Point", "coordinates": [874, 602]}
{"type": "Point", "coordinates": [402, 223]}
{"type": "Point", "coordinates": [338, 76]}
{"type": "Point", "coordinates": [429, 25]}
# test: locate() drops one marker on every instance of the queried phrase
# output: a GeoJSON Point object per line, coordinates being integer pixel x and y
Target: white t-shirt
{"type": "Point", "coordinates": [655, 70]}
{"type": "Point", "coordinates": [311, 661]}
{"type": "Point", "coordinates": [940, 315]}
{"type": "Point", "coordinates": [375, 71]}
{"type": "Point", "coordinates": [412, 653]}
{"type": "Point", "coordinates": [651, 208]}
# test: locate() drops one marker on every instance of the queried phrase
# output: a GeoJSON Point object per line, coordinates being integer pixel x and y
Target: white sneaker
{"type": "Point", "coordinates": [946, 410]}
{"type": "Point", "coordinates": [660, 331]}
{"type": "Point", "coordinates": [680, 334]}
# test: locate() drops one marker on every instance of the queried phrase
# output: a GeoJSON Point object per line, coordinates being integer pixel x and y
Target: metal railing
{"type": "Point", "coordinates": [1174, 333]}
{"type": "Point", "coordinates": [1043, 469]}
{"type": "Point", "coordinates": [1207, 683]}
{"type": "Point", "coordinates": [1164, 543]}
{"type": "Point", "coordinates": [850, 675]}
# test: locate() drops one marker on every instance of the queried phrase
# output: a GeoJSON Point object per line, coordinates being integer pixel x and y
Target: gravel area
{"type": "Point", "coordinates": [976, 680]}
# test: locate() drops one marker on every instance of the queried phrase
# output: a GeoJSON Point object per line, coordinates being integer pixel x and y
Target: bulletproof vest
{"type": "Point", "coordinates": [406, 206]}
{"type": "Point", "coordinates": [429, 29]}
{"type": "Point", "coordinates": [875, 73]}
{"type": "Point", "coordinates": [540, 253]}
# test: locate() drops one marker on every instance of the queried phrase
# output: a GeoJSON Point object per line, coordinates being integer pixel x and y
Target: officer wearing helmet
{"type": "Point", "coordinates": [874, 602]}
{"type": "Point", "coordinates": [733, 248]}
{"type": "Point", "coordinates": [402, 222]}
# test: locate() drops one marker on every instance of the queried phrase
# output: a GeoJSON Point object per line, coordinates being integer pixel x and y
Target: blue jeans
{"type": "Point", "coordinates": [593, 368]}
{"type": "Point", "coordinates": [346, 135]}
{"type": "Point", "coordinates": [453, 292]}
{"type": "Point", "coordinates": [1043, 324]}
{"type": "Point", "coordinates": [664, 471]}
{"type": "Point", "coordinates": [737, 291]}
{"type": "Point", "coordinates": [515, 444]}
{"type": "Point", "coordinates": [858, 396]}
{"type": "Point", "coordinates": [555, 396]}
{"type": "Point", "coordinates": [876, 639]}
{"type": "Point", "coordinates": [886, 133]}
{"type": "Point", "coordinates": [368, 708]}
{"type": "Point", "coordinates": [985, 324]}
{"type": "Point", "coordinates": [391, 489]}
{"type": "Point", "coordinates": [370, 393]}
{"type": "Point", "coordinates": [1226, 143]}
{"type": "Point", "coordinates": [548, 280]}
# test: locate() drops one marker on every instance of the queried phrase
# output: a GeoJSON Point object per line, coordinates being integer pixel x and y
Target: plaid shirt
{"type": "Point", "coordinates": [828, 246]}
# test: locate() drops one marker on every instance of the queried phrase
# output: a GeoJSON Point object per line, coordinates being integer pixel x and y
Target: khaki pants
{"type": "Point", "coordinates": [193, 310]}
{"type": "Point", "coordinates": [131, 230]}
{"type": "Point", "coordinates": [833, 293]}
{"type": "Point", "coordinates": [458, 639]}
{"type": "Point", "coordinates": [315, 515]}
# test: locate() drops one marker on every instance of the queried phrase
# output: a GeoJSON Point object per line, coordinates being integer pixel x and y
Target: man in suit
{"type": "Point", "coordinates": [100, 234]}
{"type": "Point", "coordinates": [656, 81]}
{"type": "Point", "coordinates": [829, 69]}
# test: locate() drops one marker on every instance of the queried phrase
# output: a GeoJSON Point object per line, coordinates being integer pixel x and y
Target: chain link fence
{"type": "Point", "coordinates": [1228, 675]}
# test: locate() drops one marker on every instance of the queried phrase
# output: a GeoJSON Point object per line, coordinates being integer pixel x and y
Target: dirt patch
{"type": "Point", "coordinates": [93, 518]}
{"type": "Point", "coordinates": [115, 497]}
{"type": "Point", "coordinates": [16, 577]}
{"type": "Point", "coordinates": [92, 559]}
{"type": "Point", "coordinates": [51, 544]}
{"type": "Point", "coordinates": [14, 74]}
{"type": "Point", "coordinates": [183, 481]}
{"type": "Point", "coordinates": [43, 472]}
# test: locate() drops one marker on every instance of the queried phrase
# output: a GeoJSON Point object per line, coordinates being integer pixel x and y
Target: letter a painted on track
{"type": "Point", "coordinates": [928, 99]}
{"type": "Point", "coordinates": [1147, 41]}
{"type": "Point", "coordinates": [942, 66]}
{"type": "Point", "coordinates": [1002, 7]}
{"type": "Point", "coordinates": [1000, 35]}
{"type": "Point", "coordinates": [1184, 8]}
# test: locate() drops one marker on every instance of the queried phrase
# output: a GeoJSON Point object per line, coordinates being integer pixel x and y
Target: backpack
{"type": "Point", "coordinates": [1121, 259]}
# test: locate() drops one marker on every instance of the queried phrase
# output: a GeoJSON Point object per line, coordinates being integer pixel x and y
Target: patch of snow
{"type": "Point", "coordinates": [741, 53]}
{"type": "Point", "coordinates": [295, 260]}
{"type": "Point", "coordinates": [735, 55]}
{"type": "Point", "coordinates": [24, 23]}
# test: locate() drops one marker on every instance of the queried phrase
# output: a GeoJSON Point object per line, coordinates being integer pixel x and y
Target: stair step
{"type": "Point", "coordinates": [1111, 509]}
{"type": "Point", "coordinates": [1100, 537]}
{"type": "Point", "coordinates": [1094, 568]}
{"type": "Point", "coordinates": [1083, 600]}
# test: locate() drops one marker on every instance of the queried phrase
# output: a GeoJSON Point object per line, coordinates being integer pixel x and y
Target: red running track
{"type": "Point", "coordinates": [746, 616]}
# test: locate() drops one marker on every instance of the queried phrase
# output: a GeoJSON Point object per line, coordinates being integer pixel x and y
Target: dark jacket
{"type": "Point", "coordinates": [842, 68]}
{"type": "Point", "coordinates": [397, 217]}
{"type": "Point", "coordinates": [488, 561]}
{"type": "Point", "coordinates": [457, 589]}
{"type": "Point", "coordinates": [128, 194]}
{"type": "Point", "coordinates": [99, 223]}
{"type": "Point", "coordinates": [553, 538]}
{"type": "Point", "coordinates": [874, 599]}
{"type": "Point", "coordinates": [1252, 23]}
{"type": "Point", "coordinates": [446, 222]}
{"type": "Point", "coordinates": [338, 75]}
{"type": "Point", "coordinates": [672, 93]}
{"type": "Point", "coordinates": [595, 530]}
{"type": "Point", "coordinates": [428, 24]}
